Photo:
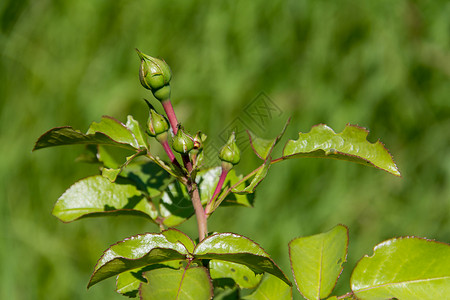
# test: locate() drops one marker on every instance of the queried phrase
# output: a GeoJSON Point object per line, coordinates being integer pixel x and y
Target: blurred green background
{"type": "Point", "coordinates": [384, 65]}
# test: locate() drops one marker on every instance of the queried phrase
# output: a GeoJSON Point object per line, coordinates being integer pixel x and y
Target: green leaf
{"type": "Point", "coordinates": [128, 283]}
{"type": "Point", "coordinates": [404, 268]}
{"type": "Point", "coordinates": [134, 252]}
{"type": "Point", "coordinates": [169, 284]}
{"type": "Point", "coordinates": [97, 196]}
{"type": "Point", "coordinates": [238, 249]}
{"type": "Point", "coordinates": [60, 136]}
{"type": "Point", "coordinates": [148, 177]}
{"type": "Point", "coordinates": [105, 157]}
{"type": "Point", "coordinates": [107, 132]}
{"type": "Point", "coordinates": [175, 206]}
{"type": "Point", "coordinates": [173, 235]}
{"type": "Point", "coordinates": [317, 260]}
{"type": "Point", "coordinates": [257, 178]}
{"type": "Point", "coordinates": [271, 288]}
{"type": "Point", "coordinates": [111, 174]}
{"type": "Point", "coordinates": [264, 147]}
{"type": "Point", "coordinates": [241, 274]}
{"type": "Point", "coordinates": [135, 128]}
{"type": "Point", "coordinates": [350, 145]}
{"type": "Point", "coordinates": [115, 130]}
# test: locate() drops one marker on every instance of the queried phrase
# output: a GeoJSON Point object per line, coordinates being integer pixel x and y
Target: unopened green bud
{"type": "Point", "coordinates": [230, 152]}
{"type": "Point", "coordinates": [156, 124]}
{"type": "Point", "coordinates": [155, 75]}
{"type": "Point", "coordinates": [199, 139]}
{"type": "Point", "coordinates": [182, 142]}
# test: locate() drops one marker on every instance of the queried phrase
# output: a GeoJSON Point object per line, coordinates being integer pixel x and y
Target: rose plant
{"type": "Point", "coordinates": [167, 191]}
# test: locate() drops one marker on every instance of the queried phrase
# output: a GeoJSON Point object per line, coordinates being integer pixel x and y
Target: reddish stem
{"type": "Point", "coordinates": [187, 162]}
{"type": "Point", "coordinates": [168, 108]}
{"type": "Point", "coordinates": [168, 150]}
{"type": "Point", "coordinates": [199, 212]}
{"type": "Point", "coordinates": [219, 186]}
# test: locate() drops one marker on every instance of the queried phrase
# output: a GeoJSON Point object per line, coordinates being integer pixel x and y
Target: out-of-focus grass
{"type": "Point", "coordinates": [381, 64]}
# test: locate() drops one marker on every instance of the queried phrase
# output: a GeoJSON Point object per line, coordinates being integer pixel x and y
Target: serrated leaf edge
{"type": "Point", "coordinates": [241, 236]}
{"type": "Point", "coordinates": [346, 154]}
{"type": "Point", "coordinates": [131, 259]}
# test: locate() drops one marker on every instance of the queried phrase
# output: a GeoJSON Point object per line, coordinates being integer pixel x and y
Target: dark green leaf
{"type": "Point", "coordinates": [238, 249]}
{"type": "Point", "coordinates": [404, 268]}
{"type": "Point", "coordinates": [317, 260]}
{"type": "Point", "coordinates": [148, 177]}
{"type": "Point", "coordinates": [134, 252]}
{"type": "Point", "coordinates": [271, 288]}
{"type": "Point", "coordinates": [60, 136]}
{"type": "Point", "coordinates": [350, 145]}
{"type": "Point", "coordinates": [175, 205]}
{"type": "Point", "coordinates": [128, 283]}
{"type": "Point", "coordinates": [241, 274]}
{"type": "Point", "coordinates": [96, 196]}
{"type": "Point", "coordinates": [168, 284]}
{"type": "Point", "coordinates": [107, 132]}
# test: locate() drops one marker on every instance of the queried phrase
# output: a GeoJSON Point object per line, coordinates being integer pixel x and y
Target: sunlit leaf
{"type": "Point", "coordinates": [134, 252]}
{"type": "Point", "coordinates": [111, 174]}
{"type": "Point", "coordinates": [238, 249]}
{"type": "Point", "coordinates": [115, 130]}
{"type": "Point", "coordinates": [169, 284]}
{"type": "Point", "coordinates": [317, 260]}
{"type": "Point", "coordinates": [404, 268]}
{"type": "Point", "coordinates": [271, 288]}
{"type": "Point", "coordinates": [241, 274]}
{"type": "Point", "coordinates": [97, 196]}
{"type": "Point", "coordinates": [173, 235]}
{"type": "Point", "coordinates": [134, 127]}
{"type": "Point", "coordinates": [350, 145]}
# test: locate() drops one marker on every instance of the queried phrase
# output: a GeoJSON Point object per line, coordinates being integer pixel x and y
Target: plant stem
{"type": "Point", "coordinates": [217, 203]}
{"type": "Point", "coordinates": [187, 162]}
{"type": "Point", "coordinates": [192, 187]}
{"type": "Point", "coordinates": [199, 211]}
{"type": "Point", "coordinates": [219, 186]}
{"type": "Point", "coordinates": [168, 108]}
{"type": "Point", "coordinates": [169, 152]}
{"type": "Point", "coordinates": [350, 294]}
